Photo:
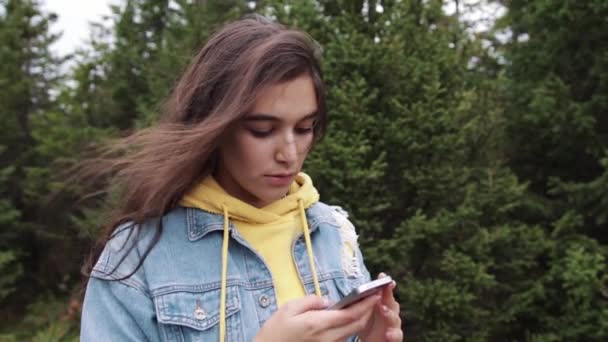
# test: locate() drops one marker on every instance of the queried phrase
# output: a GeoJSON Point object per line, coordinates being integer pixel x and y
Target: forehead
{"type": "Point", "coordinates": [287, 101]}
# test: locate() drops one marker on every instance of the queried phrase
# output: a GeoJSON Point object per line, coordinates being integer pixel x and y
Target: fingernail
{"type": "Point", "coordinates": [384, 309]}
{"type": "Point", "coordinates": [381, 275]}
{"type": "Point", "coordinates": [326, 302]}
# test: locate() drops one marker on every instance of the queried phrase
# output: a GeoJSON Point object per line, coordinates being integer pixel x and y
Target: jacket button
{"type": "Point", "coordinates": [264, 301]}
{"type": "Point", "coordinates": [200, 314]}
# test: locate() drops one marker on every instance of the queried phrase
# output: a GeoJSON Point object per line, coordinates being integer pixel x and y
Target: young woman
{"type": "Point", "coordinates": [219, 235]}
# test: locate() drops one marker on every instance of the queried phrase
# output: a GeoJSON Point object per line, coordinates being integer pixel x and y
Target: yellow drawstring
{"type": "Point", "coordinates": [223, 281]}
{"type": "Point", "coordinates": [225, 240]}
{"type": "Point", "coordinates": [311, 259]}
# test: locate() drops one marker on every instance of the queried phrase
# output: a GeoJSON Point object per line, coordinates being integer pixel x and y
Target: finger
{"type": "Point", "coordinates": [394, 335]}
{"type": "Point", "coordinates": [352, 328]}
{"type": "Point", "coordinates": [388, 297]}
{"type": "Point", "coordinates": [381, 275]}
{"type": "Point", "coordinates": [387, 289]}
{"type": "Point", "coordinates": [391, 317]}
{"type": "Point", "coordinates": [301, 305]}
{"type": "Point", "coordinates": [366, 305]}
{"type": "Point", "coordinates": [332, 319]}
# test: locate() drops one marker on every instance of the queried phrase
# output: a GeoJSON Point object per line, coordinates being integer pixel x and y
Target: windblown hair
{"type": "Point", "coordinates": [154, 167]}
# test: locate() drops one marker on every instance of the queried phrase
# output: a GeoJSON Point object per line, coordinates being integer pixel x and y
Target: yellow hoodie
{"type": "Point", "coordinates": [270, 230]}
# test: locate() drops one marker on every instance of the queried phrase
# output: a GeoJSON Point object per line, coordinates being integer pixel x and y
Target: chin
{"type": "Point", "coordinates": [269, 199]}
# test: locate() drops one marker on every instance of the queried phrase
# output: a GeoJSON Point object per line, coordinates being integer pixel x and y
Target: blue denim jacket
{"type": "Point", "coordinates": [175, 294]}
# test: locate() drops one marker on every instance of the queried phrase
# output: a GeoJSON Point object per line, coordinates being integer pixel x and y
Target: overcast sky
{"type": "Point", "coordinates": [73, 21]}
{"type": "Point", "coordinates": [75, 16]}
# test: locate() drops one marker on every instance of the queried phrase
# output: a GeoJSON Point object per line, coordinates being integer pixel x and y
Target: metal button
{"type": "Point", "coordinates": [264, 301]}
{"type": "Point", "coordinates": [200, 314]}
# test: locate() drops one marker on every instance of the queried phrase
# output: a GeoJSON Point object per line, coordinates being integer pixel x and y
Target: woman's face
{"type": "Point", "coordinates": [260, 157]}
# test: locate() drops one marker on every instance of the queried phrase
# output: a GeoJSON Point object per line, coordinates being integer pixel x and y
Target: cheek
{"type": "Point", "coordinates": [306, 144]}
{"type": "Point", "coordinates": [309, 141]}
{"type": "Point", "coordinates": [249, 153]}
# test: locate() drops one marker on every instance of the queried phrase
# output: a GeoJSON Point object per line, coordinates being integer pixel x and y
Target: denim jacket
{"type": "Point", "coordinates": [175, 294]}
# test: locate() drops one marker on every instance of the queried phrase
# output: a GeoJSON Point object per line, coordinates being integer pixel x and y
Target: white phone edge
{"type": "Point", "coordinates": [355, 293]}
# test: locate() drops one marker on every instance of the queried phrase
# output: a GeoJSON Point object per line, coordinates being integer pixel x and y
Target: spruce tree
{"type": "Point", "coordinates": [27, 73]}
{"type": "Point", "coordinates": [557, 137]}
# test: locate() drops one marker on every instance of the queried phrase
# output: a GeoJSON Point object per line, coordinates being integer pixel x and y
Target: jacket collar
{"type": "Point", "coordinates": [200, 222]}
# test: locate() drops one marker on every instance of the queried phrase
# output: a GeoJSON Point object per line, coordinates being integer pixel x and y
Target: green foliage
{"type": "Point", "coordinates": [556, 140]}
{"type": "Point", "coordinates": [10, 273]}
{"type": "Point", "coordinates": [27, 73]}
{"type": "Point", "coordinates": [49, 319]}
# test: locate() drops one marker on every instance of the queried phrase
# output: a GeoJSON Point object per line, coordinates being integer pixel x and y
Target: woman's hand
{"type": "Point", "coordinates": [385, 323]}
{"type": "Point", "coordinates": [307, 319]}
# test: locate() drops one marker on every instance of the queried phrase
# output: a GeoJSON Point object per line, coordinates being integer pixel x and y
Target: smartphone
{"type": "Point", "coordinates": [361, 292]}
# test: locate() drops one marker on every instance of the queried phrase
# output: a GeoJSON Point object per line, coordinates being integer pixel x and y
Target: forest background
{"type": "Point", "coordinates": [472, 156]}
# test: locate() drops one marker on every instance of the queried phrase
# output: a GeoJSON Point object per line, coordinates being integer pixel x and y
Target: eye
{"type": "Point", "coordinates": [260, 133]}
{"type": "Point", "coordinates": [304, 130]}
{"type": "Point", "coordinates": [306, 126]}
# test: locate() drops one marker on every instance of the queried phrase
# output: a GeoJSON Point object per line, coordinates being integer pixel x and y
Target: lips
{"type": "Point", "coordinates": [282, 175]}
{"type": "Point", "coordinates": [280, 179]}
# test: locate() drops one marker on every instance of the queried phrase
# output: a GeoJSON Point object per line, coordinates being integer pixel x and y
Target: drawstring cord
{"type": "Point", "coordinates": [311, 258]}
{"type": "Point", "coordinates": [225, 240]}
{"type": "Point", "coordinates": [224, 272]}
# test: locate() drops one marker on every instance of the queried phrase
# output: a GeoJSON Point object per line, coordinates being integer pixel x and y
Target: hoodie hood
{"type": "Point", "coordinates": [208, 195]}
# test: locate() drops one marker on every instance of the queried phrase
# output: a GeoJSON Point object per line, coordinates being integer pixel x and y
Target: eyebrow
{"type": "Point", "coordinates": [268, 117]}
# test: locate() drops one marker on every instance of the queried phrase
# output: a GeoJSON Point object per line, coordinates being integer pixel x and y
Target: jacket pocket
{"type": "Point", "coordinates": [186, 314]}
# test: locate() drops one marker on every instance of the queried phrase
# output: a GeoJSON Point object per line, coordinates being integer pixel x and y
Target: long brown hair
{"type": "Point", "coordinates": [154, 167]}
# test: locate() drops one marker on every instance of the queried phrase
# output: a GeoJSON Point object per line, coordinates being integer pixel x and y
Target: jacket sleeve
{"type": "Point", "coordinates": [353, 263]}
{"type": "Point", "coordinates": [117, 311]}
{"type": "Point", "coordinates": [352, 258]}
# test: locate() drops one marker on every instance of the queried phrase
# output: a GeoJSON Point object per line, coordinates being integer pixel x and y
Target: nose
{"type": "Point", "coordinates": [287, 151]}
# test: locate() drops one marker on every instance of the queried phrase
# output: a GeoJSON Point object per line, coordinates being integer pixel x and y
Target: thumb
{"type": "Point", "coordinates": [301, 305]}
